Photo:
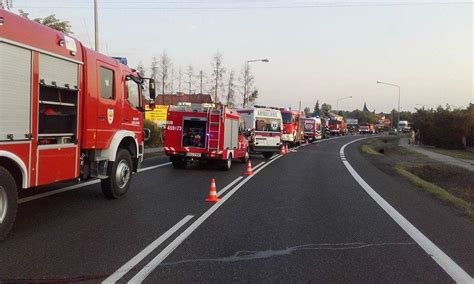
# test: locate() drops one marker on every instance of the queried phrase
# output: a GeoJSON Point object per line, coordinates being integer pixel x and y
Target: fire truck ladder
{"type": "Point", "coordinates": [213, 129]}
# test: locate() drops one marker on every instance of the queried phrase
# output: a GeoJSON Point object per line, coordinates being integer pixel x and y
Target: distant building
{"type": "Point", "coordinates": [174, 99]}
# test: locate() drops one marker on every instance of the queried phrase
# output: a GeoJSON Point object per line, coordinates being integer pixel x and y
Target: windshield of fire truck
{"type": "Point", "coordinates": [287, 117]}
{"type": "Point", "coordinates": [268, 124]}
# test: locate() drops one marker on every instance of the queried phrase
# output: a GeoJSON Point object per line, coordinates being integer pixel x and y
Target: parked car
{"type": "Point", "coordinates": [393, 131]}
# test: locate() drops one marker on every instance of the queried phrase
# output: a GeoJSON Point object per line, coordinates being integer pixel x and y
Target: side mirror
{"type": "Point", "coordinates": [147, 134]}
{"type": "Point", "coordinates": [151, 89]}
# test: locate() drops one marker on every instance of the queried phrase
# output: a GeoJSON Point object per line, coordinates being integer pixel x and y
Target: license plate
{"type": "Point", "coordinates": [189, 154]}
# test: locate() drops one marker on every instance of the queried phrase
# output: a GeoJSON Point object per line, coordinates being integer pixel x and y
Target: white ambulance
{"type": "Point", "coordinates": [263, 127]}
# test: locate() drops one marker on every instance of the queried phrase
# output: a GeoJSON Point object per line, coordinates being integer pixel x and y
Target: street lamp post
{"type": "Point", "coordinates": [340, 99]}
{"type": "Point", "coordinates": [246, 79]}
{"type": "Point", "coordinates": [394, 85]}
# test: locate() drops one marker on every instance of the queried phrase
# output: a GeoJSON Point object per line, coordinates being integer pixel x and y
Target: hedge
{"type": "Point", "coordinates": [156, 139]}
{"type": "Point", "coordinates": [445, 127]}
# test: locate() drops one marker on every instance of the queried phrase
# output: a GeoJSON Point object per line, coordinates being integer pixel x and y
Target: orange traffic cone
{"type": "Point", "coordinates": [249, 170]}
{"type": "Point", "coordinates": [212, 192]}
{"type": "Point", "coordinates": [282, 149]}
{"type": "Point", "coordinates": [286, 149]}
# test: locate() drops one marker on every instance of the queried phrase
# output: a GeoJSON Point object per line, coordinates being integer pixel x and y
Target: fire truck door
{"type": "Point", "coordinates": [109, 114]}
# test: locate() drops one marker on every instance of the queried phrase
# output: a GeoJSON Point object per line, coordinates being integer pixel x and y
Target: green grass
{"type": "Point", "coordinates": [367, 149]}
{"type": "Point", "coordinates": [437, 191]}
{"type": "Point", "coordinates": [459, 154]}
{"type": "Point", "coordinates": [383, 145]}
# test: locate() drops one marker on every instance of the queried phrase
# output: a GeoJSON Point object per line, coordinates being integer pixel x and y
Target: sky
{"type": "Point", "coordinates": [318, 50]}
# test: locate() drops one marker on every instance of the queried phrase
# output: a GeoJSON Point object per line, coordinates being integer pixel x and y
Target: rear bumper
{"type": "Point", "coordinates": [261, 149]}
{"type": "Point", "coordinates": [203, 156]}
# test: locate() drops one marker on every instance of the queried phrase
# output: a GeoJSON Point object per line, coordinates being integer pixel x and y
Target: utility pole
{"type": "Point", "coordinates": [96, 27]}
{"type": "Point", "coordinates": [200, 75]}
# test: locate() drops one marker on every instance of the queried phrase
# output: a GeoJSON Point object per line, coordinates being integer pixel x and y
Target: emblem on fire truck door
{"type": "Point", "coordinates": [110, 115]}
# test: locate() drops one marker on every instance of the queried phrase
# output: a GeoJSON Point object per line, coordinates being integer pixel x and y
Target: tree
{"type": "Point", "coordinates": [230, 99]}
{"type": "Point", "coordinates": [253, 97]}
{"type": "Point", "coordinates": [218, 72]}
{"type": "Point", "coordinates": [165, 63]}
{"type": "Point", "coordinates": [141, 69]}
{"type": "Point", "coordinates": [6, 4]}
{"type": "Point", "coordinates": [180, 78]}
{"type": "Point", "coordinates": [247, 81]}
{"type": "Point", "coordinates": [190, 81]}
{"type": "Point", "coordinates": [316, 110]}
{"type": "Point", "coordinates": [50, 21]}
{"type": "Point", "coordinates": [307, 111]}
{"type": "Point", "coordinates": [325, 109]}
{"type": "Point", "coordinates": [202, 81]}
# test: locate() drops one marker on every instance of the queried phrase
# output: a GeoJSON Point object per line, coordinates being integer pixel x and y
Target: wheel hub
{"type": "Point", "coordinates": [122, 174]}
{"type": "Point", "coordinates": [3, 204]}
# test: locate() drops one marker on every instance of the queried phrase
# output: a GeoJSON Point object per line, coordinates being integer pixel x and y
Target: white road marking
{"type": "Point", "coordinates": [254, 168]}
{"type": "Point", "coordinates": [154, 167]}
{"type": "Point", "coordinates": [145, 252]}
{"type": "Point", "coordinates": [147, 269]}
{"type": "Point", "coordinates": [222, 191]}
{"type": "Point", "coordinates": [79, 185]}
{"type": "Point", "coordinates": [53, 192]}
{"type": "Point", "coordinates": [443, 260]}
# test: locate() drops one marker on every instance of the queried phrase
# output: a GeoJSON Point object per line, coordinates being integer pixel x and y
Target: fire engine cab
{"type": "Point", "coordinates": [202, 132]}
{"type": "Point", "coordinates": [66, 112]}
{"type": "Point", "coordinates": [293, 127]}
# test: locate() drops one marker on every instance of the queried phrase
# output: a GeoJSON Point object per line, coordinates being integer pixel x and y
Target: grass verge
{"type": "Point", "coordinates": [437, 191]}
{"type": "Point", "coordinates": [451, 185]}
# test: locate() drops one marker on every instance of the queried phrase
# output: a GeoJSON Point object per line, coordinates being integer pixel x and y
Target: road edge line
{"type": "Point", "coordinates": [129, 265]}
{"type": "Point", "coordinates": [442, 259]}
{"type": "Point", "coordinates": [79, 185]}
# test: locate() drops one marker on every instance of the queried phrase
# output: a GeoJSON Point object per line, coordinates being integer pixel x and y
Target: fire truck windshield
{"type": "Point", "coordinates": [287, 117]}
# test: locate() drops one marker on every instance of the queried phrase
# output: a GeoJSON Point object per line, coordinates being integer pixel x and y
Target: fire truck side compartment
{"type": "Point", "coordinates": [231, 133]}
{"type": "Point", "coordinates": [58, 100]}
{"type": "Point", "coordinates": [15, 87]}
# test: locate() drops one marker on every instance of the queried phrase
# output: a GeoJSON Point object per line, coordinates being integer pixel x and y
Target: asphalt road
{"type": "Point", "coordinates": [300, 217]}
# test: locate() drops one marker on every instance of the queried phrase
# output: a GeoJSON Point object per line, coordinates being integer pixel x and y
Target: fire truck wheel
{"type": "Point", "coordinates": [120, 176]}
{"type": "Point", "coordinates": [8, 202]}
{"type": "Point", "coordinates": [267, 155]}
{"type": "Point", "coordinates": [245, 158]}
{"type": "Point", "coordinates": [178, 163]}
{"type": "Point", "coordinates": [227, 164]}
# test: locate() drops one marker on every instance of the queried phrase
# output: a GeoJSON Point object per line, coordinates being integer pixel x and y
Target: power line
{"type": "Point", "coordinates": [250, 7]}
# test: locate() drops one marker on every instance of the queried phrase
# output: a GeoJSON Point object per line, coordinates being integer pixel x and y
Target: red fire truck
{"type": "Point", "coordinates": [337, 127]}
{"type": "Point", "coordinates": [293, 127]}
{"type": "Point", "coordinates": [201, 132]}
{"type": "Point", "coordinates": [312, 128]}
{"type": "Point", "coordinates": [66, 112]}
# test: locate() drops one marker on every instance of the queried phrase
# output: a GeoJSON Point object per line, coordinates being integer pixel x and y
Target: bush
{"type": "Point", "coordinates": [156, 139]}
{"type": "Point", "coordinates": [445, 127]}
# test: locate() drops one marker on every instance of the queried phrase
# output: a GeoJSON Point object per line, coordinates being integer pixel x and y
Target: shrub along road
{"type": "Point", "coordinates": [301, 217]}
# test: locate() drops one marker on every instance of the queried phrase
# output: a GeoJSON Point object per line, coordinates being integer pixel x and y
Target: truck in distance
{"type": "Point", "coordinates": [312, 129]}
{"type": "Point", "coordinates": [67, 113]}
{"type": "Point", "coordinates": [293, 127]}
{"type": "Point", "coordinates": [202, 132]}
{"type": "Point", "coordinates": [263, 128]}
{"type": "Point", "coordinates": [337, 127]}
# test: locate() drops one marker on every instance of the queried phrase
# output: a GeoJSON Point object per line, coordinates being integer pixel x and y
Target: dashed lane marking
{"type": "Point", "coordinates": [147, 269]}
{"type": "Point", "coordinates": [145, 252]}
